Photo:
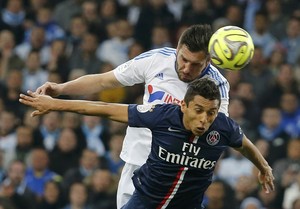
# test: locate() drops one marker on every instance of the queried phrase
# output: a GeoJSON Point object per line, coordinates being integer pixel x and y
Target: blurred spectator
{"type": "Point", "coordinates": [8, 124]}
{"type": "Point", "coordinates": [271, 130]}
{"type": "Point", "coordinates": [52, 198]}
{"type": "Point", "coordinates": [277, 20]}
{"type": "Point", "coordinates": [160, 37]}
{"type": "Point", "coordinates": [12, 17]}
{"type": "Point", "coordinates": [102, 187]}
{"type": "Point", "coordinates": [219, 195]}
{"type": "Point", "coordinates": [59, 61]}
{"type": "Point", "coordinates": [32, 10]}
{"type": "Point", "coordinates": [32, 122]}
{"type": "Point", "coordinates": [93, 20]}
{"type": "Point", "coordinates": [10, 91]}
{"type": "Point", "coordinates": [44, 19]}
{"type": "Point", "coordinates": [245, 187]}
{"type": "Point", "coordinates": [33, 74]}
{"type": "Point", "coordinates": [78, 196]}
{"type": "Point", "coordinates": [38, 173]}
{"type": "Point", "coordinates": [197, 12]}
{"type": "Point", "coordinates": [234, 78]}
{"type": "Point", "coordinates": [37, 43]}
{"type": "Point", "coordinates": [289, 104]}
{"type": "Point", "coordinates": [109, 12]}
{"type": "Point", "coordinates": [48, 132]}
{"type": "Point", "coordinates": [88, 162]}
{"type": "Point", "coordinates": [112, 157]}
{"type": "Point", "coordinates": [286, 169]}
{"type": "Point", "coordinates": [234, 14]}
{"type": "Point", "coordinates": [261, 36]}
{"type": "Point", "coordinates": [84, 57]}
{"type": "Point", "coordinates": [78, 27]}
{"type": "Point", "coordinates": [134, 10]}
{"type": "Point", "coordinates": [246, 93]}
{"type": "Point", "coordinates": [278, 58]}
{"type": "Point", "coordinates": [251, 7]}
{"type": "Point", "coordinates": [219, 7]}
{"type": "Point", "coordinates": [285, 81]}
{"type": "Point", "coordinates": [226, 168]}
{"type": "Point", "coordinates": [118, 46]}
{"type": "Point", "coordinates": [155, 12]}
{"type": "Point", "coordinates": [65, 10]}
{"type": "Point", "coordinates": [251, 203]}
{"type": "Point", "coordinates": [15, 186]}
{"type": "Point", "coordinates": [291, 193]}
{"type": "Point", "coordinates": [73, 121]}
{"type": "Point", "coordinates": [24, 145]}
{"type": "Point", "coordinates": [93, 130]}
{"type": "Point", "coordinates": [64, 155]}
{"type": "Point", "coordinates": [258, 74]}
{"type": "Point", "coordinates": [291, 42]}
{"type": "Point", "coordinates": [236, 110]}
{"type": "Point", "coordinates": [8, 58]}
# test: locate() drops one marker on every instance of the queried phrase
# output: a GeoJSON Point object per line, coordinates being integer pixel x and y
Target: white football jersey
{"type": "Point", "coordinates": [156, 68]}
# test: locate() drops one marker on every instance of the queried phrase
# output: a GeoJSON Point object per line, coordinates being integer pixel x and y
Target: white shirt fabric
{"type": "Point", "coordinates": [156, 68]}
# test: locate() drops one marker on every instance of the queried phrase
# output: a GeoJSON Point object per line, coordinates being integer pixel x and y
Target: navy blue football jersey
{"type": "Point", "coordinates": [180, 165]}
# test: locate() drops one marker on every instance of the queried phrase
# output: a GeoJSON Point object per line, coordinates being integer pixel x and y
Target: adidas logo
{"type": "Point", "coordinates": [160, 76]}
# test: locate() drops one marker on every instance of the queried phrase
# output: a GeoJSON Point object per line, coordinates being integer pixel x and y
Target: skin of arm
{"type": "Point", "coordinates": [44, 104]}
{"type": "Point", "coordinates": [87, 84]}
{"type": "Point", "coordinates": [265, 175]}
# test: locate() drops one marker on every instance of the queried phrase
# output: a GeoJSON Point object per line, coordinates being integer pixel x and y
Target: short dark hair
{"type": "Point", "coordinates": [196, 38]}
{"type": "Point", "coordinates": [204, 87]}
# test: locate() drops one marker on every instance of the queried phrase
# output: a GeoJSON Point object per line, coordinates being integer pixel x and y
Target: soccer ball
{"type": "Point", "coordinates": [231, 48]}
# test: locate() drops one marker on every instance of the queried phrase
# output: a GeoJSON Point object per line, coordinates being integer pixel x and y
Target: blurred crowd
{"type": "Point", "coordinates": [70, 161]}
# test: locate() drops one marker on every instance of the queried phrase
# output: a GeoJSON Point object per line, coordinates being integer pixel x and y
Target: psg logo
{"type": "Point", "coordinates": [213, 138]}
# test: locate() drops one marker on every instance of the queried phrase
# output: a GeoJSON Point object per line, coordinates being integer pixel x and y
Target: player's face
{"type": "Point", "coordinates": [189, 65]}
{"type": "Point", "coordinates": [199, 114]}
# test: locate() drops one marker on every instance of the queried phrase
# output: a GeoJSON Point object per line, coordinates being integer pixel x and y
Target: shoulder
{"type": "Point", "coordinates": [214, 73]}
{"type": "Point", "coordinates": [225, 122]}
{"type": "Point", "coordinates": [158, 53]}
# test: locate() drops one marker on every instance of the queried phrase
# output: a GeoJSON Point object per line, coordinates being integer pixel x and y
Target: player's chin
{"type": "Point", "coordinates": [198, 131]}
{"type": "Point", "coordinates": [185, 78]}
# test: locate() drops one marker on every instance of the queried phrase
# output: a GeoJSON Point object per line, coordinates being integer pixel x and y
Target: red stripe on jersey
{"type": "Point", "coordinates": [171, 191]}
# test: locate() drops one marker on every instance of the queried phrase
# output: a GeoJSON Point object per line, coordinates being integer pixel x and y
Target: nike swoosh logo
{"type": "Point", "coordinates": [173, 130]}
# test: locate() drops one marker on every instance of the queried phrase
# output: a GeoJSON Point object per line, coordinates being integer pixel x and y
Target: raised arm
{"type": "Point", "coordinates": [265, 177]}
{"type": "Point", "coordinates": [44, 103]}
{"type": "Point", "coordinates": [87, 84]}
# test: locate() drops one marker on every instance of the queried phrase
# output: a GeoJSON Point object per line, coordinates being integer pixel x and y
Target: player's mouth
{"type": "Point", "coordinates": [200, 130]}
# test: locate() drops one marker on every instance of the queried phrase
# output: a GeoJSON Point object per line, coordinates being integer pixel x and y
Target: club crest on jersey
{"type": "Point", "coordinates": [145, 108]}
{"type": "Point", "coordinates": [213, 138]}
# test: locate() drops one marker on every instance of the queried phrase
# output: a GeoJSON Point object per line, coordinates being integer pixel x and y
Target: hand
{"type": "Point", "coordinates": [49, 88]}
{"type": "Point", "coordinates": [42, 103]}
{"type": "Point", "coordinates": [266, 179]}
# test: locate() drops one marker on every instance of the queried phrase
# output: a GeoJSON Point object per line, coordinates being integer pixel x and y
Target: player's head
{"type": "Point", "coordinates": [192, 52]}
{"type": "Point", "coordinates": [200, 105]}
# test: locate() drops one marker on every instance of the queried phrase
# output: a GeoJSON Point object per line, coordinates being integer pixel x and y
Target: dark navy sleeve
{"type": "Point", "coordinates": [236, 137]}
{"type": "Point", "coordinates": [144, 115]}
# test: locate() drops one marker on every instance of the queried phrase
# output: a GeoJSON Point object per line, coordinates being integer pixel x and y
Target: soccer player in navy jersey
{"type": "Point", "coordinates": [166, 73]}
{"type": "Point", "coordinates": [187, 141]}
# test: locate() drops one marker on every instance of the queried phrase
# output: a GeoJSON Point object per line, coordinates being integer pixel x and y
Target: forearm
{"type": "Point", "coordinates": [89, 84]}
{"type": "Point", "coordinates": [252, 153]}
{"type": "Point", "coordinates": [117, 112]}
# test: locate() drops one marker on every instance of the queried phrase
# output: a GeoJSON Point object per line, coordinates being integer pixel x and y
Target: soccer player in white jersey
{"type": "Point", "coordinates": [166, 73]}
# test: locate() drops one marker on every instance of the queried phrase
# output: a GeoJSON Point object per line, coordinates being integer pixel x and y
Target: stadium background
{"type": "Point", "coordinates": [67, 160]}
